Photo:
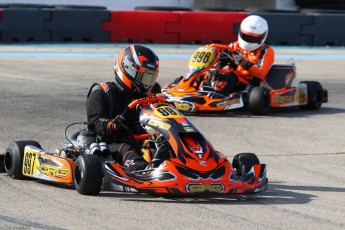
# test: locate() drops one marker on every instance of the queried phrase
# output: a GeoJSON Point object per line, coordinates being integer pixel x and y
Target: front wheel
{"type": "Point", "coordinates": [13, 159]}
{"type": "Point", "coordinates": [243, 162]}
{"type": "Point", "coordinates": [315, 95]}
{"type": "Point", "coordinates": [87, 175]}
{"type": "Point", "coordinates": [259, 100]}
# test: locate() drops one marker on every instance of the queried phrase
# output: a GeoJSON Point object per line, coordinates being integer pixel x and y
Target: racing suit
{"type": "Point", "coordinates": [104, 103]}
{"type": "Point", "coordinates": [254, 69]}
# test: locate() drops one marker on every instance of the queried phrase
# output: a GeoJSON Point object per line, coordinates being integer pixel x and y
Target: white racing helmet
{"type": "Point", "coordinates": [253, 32]}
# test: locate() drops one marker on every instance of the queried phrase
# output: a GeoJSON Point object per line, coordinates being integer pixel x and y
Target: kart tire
{"type": "Point", "coordinates": [243, 162]}
{"type": "Point", "coordinates": [87, 175]}
{"type": "Point", "coordinates": [2, 164]}
{"type": "Point", "coordinates": [13, 160]}
{"type": "Point", "coordinates": [259, 101]}
{"type": "Point", "coordinates": [315, 95]}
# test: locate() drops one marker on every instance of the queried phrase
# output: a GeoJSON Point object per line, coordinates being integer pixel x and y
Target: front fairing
{"type": "Point", "coordinates": [174, 178]}
{"type": "Point", "coordinates": [189, 145]}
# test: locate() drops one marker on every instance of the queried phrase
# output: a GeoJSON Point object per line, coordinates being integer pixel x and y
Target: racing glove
{"type": "Point", "coordinates": [240, 60]}
{"type": "Point", "coordinates": [224, 58]}
{"type": "Point", "coordinates": [116, 124]}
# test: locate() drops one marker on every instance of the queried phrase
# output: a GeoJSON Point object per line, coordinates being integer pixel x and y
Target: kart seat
{"type": "Point", "coordinates": [280, 76]}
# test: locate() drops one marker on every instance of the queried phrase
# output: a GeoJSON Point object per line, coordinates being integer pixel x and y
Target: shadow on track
{"type": "Point", "coordinates": [277, 193]}
{"type": "Point", "coordinates": [290, 112]}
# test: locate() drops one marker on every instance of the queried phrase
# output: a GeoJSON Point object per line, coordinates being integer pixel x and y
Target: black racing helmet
{"type": "Point", "coordinates": [137, 68]}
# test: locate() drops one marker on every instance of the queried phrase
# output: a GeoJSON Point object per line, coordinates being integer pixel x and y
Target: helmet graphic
{"type": "Point", "coordinates": [137, 68]}
{"type": "Point", "coordinates": [253, 32]}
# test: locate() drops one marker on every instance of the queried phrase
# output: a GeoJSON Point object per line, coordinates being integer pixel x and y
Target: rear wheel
{"type": "Point", "coordinates": [243, 162]}
{"type": "Point", "coordinates": [87, 175]}
{"type": "Point", "coordinates": [259, 101]}
{"type": "Point", "coordinates": [315, 95]}
{"type": "Point", "coordinates": [13, 159]}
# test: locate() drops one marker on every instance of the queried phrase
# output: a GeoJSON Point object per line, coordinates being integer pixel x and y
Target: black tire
{"type": "Point", "coordinates": [2, 164]}
{"type": "Point", "coordinates": [87, 175]}
{"type": "Point", "coordinates": [156, 88]}
{"type": "Point", "coordinates": [315, 95]}
{"type": "Point", "coordinates": [259, 101]}
{"type": "Point", "coordinates": [13, 160]}
{"type": "Point", "coordinates": [243, 162]}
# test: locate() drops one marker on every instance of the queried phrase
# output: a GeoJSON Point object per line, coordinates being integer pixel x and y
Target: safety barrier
{"type": "Point", "coordinates": [24, 25]}
{"type": "Point", "coordinates": [0, 22]}
{"type": "Point", "coordinates": [209, 27]}
{"type": "Point", "coordinates": [53, 25]}
{"type": "Point", "coordinates": [285, 28]}
{"type": "Point", "coordinates": [327, 30]}
{"type": "Point", "coordinates": [142, 26]}
{"type": "Point", "coordinates": [76, 25]}
{"type": "Point", "coordinates": [173, 27]}
{"type": "Point", "coordinates": [46, 24]}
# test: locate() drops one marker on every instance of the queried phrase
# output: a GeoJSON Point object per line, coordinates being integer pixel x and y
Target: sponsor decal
{"type": "Point", "coordinates": [128, 163]}
{"type": "Point", "coordinates": [231, 102]}
{"type": "Point", "coordinates": [283, 99]}
{"type": "Point", "coordinates": [188, 129]}
{"type": "Point", "coordinates": [54, 171]}
{"type": "Point", "coordinates": [184, 124]}
{"type": "Point", "coordinates": [183, 107]}
{"type": "Point", "coordinates": [159, 124]}
{"type": "Point", "coordinates": [202, 163]}
{"type": "Point", "coordinates": [199, 187]}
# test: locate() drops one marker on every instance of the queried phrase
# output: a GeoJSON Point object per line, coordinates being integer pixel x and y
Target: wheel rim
{"type": "Point", "coordinates": [8, 161]}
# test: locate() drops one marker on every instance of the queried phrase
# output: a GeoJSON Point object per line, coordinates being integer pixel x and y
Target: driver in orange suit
{"type": "Point", "coordinates": [249, 57]}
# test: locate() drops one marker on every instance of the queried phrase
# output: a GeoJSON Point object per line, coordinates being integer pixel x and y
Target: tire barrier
{"type": "Point", "coordinates": [174, 26]}
{"type": "Point", "coordinates": [24, 25]}
{"type": "Point", "coordinates": [142, 26]}
{"type": "Point", "coordinates": [52, 25]}
{"type": "Point", "coordinates": [285, 28]}
{"type": "Point", "coordinates": [77, 25]}
{"type": "Point", "coordinates": [327, 29]}
{"type": "Point", "coordinates": [209, 27]}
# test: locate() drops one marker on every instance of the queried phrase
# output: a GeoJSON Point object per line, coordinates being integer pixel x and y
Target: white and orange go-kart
{"type": "Point", "coordinates": [276, 91]}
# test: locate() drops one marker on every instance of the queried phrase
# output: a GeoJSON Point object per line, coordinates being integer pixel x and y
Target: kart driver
{"type": "Point", "coordinates": [136, 71]}
{"type": "Point", "coordinates": [251, 58]}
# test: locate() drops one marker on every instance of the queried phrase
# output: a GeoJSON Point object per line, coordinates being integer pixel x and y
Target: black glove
{"type": "Point", "coordinates": [240, 60]}
{"type": "Point", "coordinates": [224, 58]}
{"type": "Point", "coordinates": [116, 124]}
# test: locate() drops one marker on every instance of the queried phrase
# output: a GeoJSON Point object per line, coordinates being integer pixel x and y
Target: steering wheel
{"type": "Point", "coordinates": [137, 105]}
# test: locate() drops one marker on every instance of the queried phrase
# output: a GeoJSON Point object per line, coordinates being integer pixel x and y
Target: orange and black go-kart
{"type": "Point", "coordinates": [193, 167]}
{"type": "Point", "coordinates": [276, 91]}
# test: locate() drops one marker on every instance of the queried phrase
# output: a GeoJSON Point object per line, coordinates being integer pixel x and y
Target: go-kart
{"type": "Point", "coordinates": [276, 91]}
{"type": "Point", "coordinates": [193, 167]}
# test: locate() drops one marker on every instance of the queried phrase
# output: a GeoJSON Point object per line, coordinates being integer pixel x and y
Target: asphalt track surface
{"type": "Point", "coordinates": [43, 89]}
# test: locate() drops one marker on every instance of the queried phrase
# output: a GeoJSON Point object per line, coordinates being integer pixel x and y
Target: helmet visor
{"type": "Point", "coordinates": [143, 76]}
{"type": "Point", "coordinates": [147, 78]}
{"type": "Point", "coordinates": [251, 38]}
